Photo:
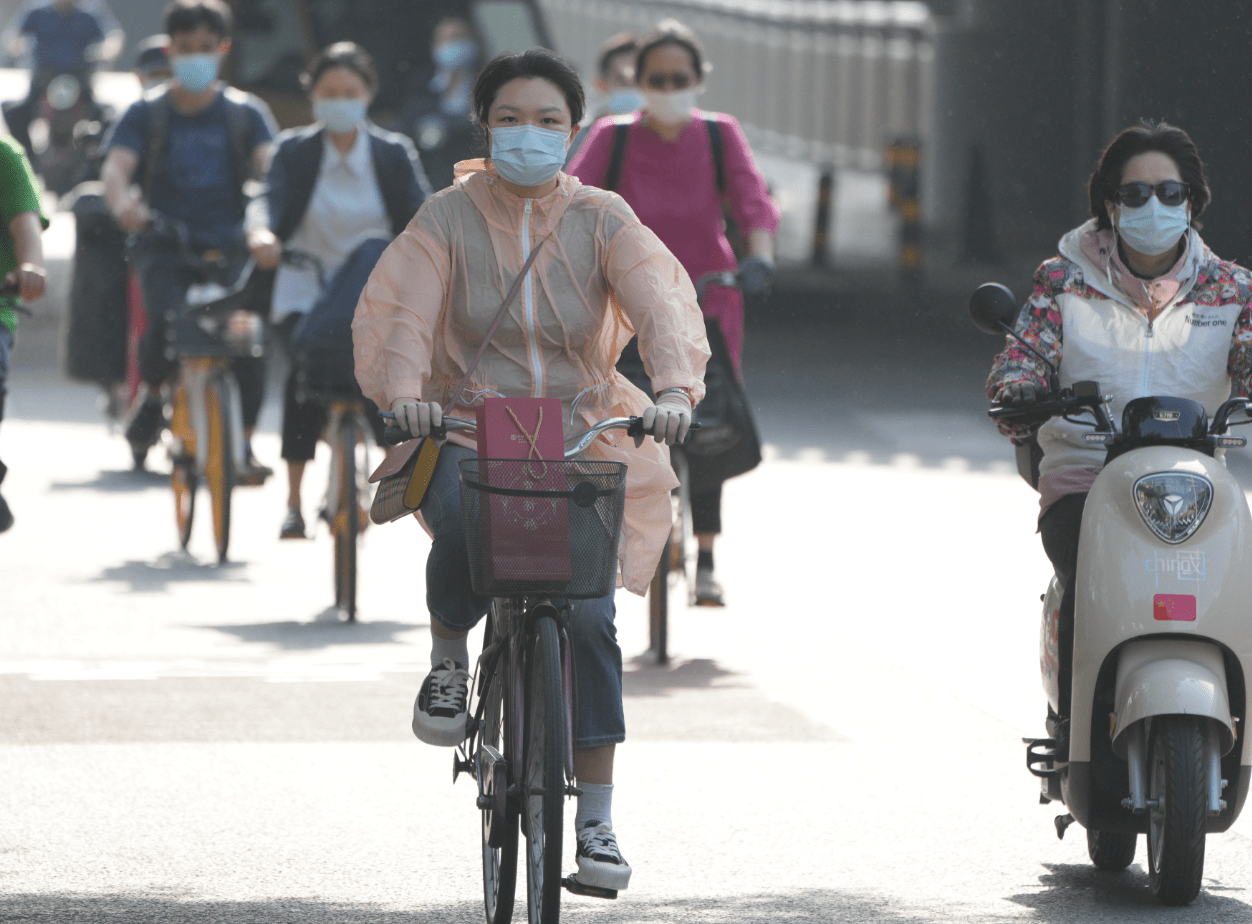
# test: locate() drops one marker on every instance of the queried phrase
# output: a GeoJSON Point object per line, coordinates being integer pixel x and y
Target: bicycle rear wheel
{"type": "Point", "coordinates": [219, 466]}
{"type": "Point", "coordinates": [544, 773]}
{"type": "Point", "coordinates": [499, 826]}
{"type": "Point", "coordinates": [658, 607]}
{"type": "Point", "coordinates": [682, 535]}
{"type": "Point", "coordinates": [345, 521]}
{"type": "Point", "coordinates": [184, 482]}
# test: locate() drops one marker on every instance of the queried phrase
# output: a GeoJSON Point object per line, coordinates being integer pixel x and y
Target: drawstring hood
{"type": "Point", "coordinates": [1095, 251]}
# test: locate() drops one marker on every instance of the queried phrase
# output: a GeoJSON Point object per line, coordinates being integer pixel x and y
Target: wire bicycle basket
{"type": "Point", "coordinates": [542, 527]}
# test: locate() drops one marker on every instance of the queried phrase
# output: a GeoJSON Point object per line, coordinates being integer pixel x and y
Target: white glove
{"type": "Point", "coordinates": [418, 417]}
{"type": "Point", "coordinates": [669, 419]}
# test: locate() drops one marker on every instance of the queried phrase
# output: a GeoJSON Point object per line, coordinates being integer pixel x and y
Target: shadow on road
{"type": "Point", "coordinates": [306, 636]}
{"type": "Point", "coordinates": [699, 700]}
{"type": "Point", "coordinates": [1073, 892]}
{"type": "Point", "coordinates": [793, 908]}
{"type": "Point", "coordinates": [127, 481]}
{"type": "Point", "coordinates": [646, 678]}
{"type": "Point", "coordinates": [170, 568]}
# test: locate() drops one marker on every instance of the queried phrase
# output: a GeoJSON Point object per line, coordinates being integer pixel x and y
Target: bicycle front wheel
{"type": "Point", "coordinates": [500, 813]}
{"type": "Point", "coordinates": [682, 535]}
{"type": "Point", "coordinates": [219, 466]}
{"type": "Point", "coordinates": [345, 519]}
{"type": "Point", "coordinates": [544, 782]}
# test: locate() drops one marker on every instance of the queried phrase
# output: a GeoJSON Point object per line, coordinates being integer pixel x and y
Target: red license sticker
{"type": "Point", "coordinates": [1176, 607]}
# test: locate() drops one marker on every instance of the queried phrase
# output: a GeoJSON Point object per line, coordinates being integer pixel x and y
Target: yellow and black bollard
{"type": "Point", "coordinates": [904, 165]}
{"type": "Point", "coordinates": [821, 227]}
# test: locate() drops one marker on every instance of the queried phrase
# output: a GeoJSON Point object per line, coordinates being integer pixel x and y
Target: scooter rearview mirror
{"type": "Point", "coordinates": [992, 308]}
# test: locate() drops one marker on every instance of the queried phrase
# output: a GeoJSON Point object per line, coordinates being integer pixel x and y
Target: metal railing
{"type": "Point", "coordinates": [827, 81]}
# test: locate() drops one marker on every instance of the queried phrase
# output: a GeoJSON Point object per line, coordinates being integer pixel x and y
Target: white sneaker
{"type": "Point", "coordinates": [600, 863]}
{"type": "Point", "coordinates": [441, 709]}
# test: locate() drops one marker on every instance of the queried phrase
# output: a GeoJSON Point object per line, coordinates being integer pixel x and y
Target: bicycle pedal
{"type": "Point", "coordinates": [577, 888]}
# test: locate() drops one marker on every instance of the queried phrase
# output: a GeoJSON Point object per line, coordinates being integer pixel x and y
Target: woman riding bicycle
{"type": "Point", "coordinates": [1137, 302]}
{"type": "Point", "coordinates": [339, 190]}
{"type": "Point", "coordinates": [669, 173]}
{"type": "Point", "coordinates": [599, 277]}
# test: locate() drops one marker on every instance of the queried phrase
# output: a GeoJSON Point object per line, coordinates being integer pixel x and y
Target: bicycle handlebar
{"type": "Point", "coordinates": [633, 426]}
{"type": "Point", "coordinates": [726, 278]}
{"type": "Point", "coordinates": [302, 259]}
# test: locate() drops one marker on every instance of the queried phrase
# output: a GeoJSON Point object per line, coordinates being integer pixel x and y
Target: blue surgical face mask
{"type": "Point", "coordinates": [455, 54]}
{"type": "Point", "coordinates": [624, 100]}
{"type": "Point", "coordinates": [1153, 228]}
{"type": "Point", "coordinates": [528, 155]}
{"type": "Point", "coordinates": [195, 73]}
{"type": "Point", "coordinates": [341, 116]}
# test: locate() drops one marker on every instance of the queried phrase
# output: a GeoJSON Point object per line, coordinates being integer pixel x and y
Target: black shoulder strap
{"type": "Point", "coordinates": [719, 152]}
{"type": "Point", "coordinates": [239, 128]}
{"type": "Point", "coordinates": [156, 141]}
{"type": "Point", "coordinates": [621, 134]}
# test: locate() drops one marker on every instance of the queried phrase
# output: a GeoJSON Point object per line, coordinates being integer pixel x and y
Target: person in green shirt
{"type": "Point", "coordinates": [21, 260]}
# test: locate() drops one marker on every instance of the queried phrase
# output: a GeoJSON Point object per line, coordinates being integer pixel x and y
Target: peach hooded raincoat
{"type": "Point", "coordinates": [600, 278]}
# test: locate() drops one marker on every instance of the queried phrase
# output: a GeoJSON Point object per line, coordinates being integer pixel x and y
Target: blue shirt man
{"type": "Point", "coordinates": [62, 33]}
{"type": "Point", "coordinates": [208, 140]}
{"type": "Point", "coordinates": [199, 184]}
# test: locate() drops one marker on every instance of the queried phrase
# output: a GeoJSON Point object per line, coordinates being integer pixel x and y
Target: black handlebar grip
{"type": "Point", "coordinates": [394, 436]}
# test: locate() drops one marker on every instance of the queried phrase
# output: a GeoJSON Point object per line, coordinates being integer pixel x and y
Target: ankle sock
{"type": "Point", "coordinates": [456, 649]}
{"type": "Point", "coordinates": [704, 560]}
{"type": "Point", "coordinates": [595, 804]}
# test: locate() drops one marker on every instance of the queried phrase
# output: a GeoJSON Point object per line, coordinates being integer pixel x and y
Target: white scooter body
{"type": "Point", "coordinates": [1159, 629]}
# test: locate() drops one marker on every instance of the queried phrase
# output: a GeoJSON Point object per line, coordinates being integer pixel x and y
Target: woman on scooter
{"type": "Point", "coordinates": [598, 276]}
{"type": "Point", "coordinates": [338, 189]}
{"type": "Point", "coordinates": [1136, 301]}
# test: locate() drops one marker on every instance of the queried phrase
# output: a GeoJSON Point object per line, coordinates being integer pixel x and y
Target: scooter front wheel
{"type": "Point", "coordinates": [1177, 808]}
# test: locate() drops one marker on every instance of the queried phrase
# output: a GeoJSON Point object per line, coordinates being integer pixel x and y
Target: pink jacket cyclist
{"type": "Point", "coordinates": [599, 278]}
{"type": "Point", "coordinates": [608, 276]}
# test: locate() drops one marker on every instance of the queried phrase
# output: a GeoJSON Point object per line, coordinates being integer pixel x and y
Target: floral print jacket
{"type": "Point", "coordinates": [1088, 273]}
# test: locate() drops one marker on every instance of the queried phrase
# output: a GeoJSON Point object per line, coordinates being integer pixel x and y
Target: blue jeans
{"type": "Point", "coordinates": [598, 717]}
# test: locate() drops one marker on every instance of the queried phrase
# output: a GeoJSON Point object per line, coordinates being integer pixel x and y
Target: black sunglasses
{"type": "Point", "coordinates": [1171, 192]}
{"type": "Point", "coordinates": [661, 81]}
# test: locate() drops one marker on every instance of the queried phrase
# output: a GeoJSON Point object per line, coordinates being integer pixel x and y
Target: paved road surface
{"type": "Point", "coordinates": [187, 743]}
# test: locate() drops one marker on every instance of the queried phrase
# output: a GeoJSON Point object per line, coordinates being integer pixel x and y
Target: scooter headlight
{"type": "Point", "coordinates": [1173, 504]}
{"type": "Point", "coordinates": [63, 92]}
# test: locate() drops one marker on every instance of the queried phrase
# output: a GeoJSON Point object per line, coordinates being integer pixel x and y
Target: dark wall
{"type": "Point", "coordinates": [1039, 87]}
{"type": "Point", "coordinates": [1200, 80]}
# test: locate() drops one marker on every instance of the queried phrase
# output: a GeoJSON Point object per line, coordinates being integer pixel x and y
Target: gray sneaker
{"type": "Point", "coordinates": [600, 862]}
{"type": "Point", "coordinates": [442, 706]}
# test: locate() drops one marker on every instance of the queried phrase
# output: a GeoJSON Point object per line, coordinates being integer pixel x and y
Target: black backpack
{"type": "Point", "coordinates": [728, 443]}
{"type": "Point", "coordinates": [621, 134]}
